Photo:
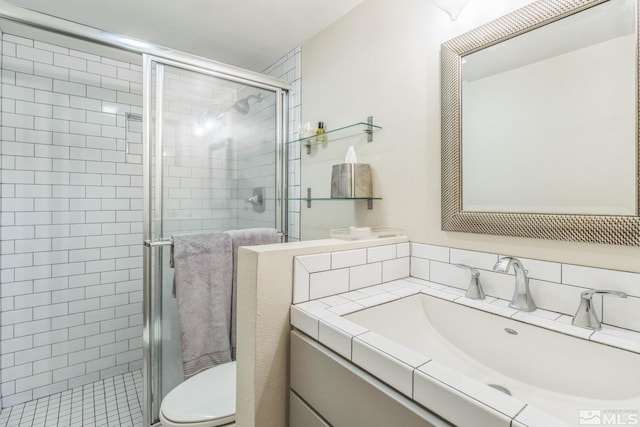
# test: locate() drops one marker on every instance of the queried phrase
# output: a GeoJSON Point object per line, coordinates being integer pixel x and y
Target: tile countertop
{"type": "Point", "coordinates": [408, 371]}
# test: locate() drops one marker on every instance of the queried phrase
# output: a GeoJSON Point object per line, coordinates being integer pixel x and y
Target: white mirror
{"type": "Point", "coordinates": [540, 124]}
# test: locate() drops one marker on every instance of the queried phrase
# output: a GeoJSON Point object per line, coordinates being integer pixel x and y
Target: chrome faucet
{"type": "Point", "coordinates": [474, 290]}
{"type": "Point", "coordinates": [586, 316]}
{"type": "Point", "coordinates": [521, 299]}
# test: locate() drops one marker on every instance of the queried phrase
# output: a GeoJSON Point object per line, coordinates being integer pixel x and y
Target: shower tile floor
{"type": "Point", "coordinates": [112, 402]}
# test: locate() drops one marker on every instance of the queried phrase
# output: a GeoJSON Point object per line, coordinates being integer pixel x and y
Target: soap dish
{"type": "Point", "coordinates": [366, 233]}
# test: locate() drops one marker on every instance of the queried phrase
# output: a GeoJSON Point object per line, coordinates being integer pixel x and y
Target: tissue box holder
{"type": "Point", "coordinates": [351, 180]}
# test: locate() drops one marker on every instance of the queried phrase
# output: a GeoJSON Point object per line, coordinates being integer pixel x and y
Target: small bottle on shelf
{"type": "Point", "coordinates": [320, 135]}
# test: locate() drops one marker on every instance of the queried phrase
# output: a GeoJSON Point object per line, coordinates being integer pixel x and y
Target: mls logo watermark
{"type": "Point", "coordinates": [609, 417]}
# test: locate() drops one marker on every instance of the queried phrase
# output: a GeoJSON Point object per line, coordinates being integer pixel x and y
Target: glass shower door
{"type": "Point", "coordinates": [213, 165]}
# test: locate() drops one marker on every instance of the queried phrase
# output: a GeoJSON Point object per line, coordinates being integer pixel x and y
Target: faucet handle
{"type": "Point", "coordinates": [589, 293]}
{"type": "Point", "coordinates": [473, 271]}
{"type": "Point", "coordinates": [585, 316]}
{"type": "Point", "coordinates": [474, 291]}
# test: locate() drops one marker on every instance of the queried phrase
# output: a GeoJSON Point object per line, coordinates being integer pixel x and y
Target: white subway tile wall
{"type": "Point", "coordinates": [199, 153]}
{"type": "Point", "coordinates": [330, 282]}
{"type": "Point", "coordinates": [70, 260]}
{"type": "Point", "coordinates": [288, 68]}
{"type": "Point", "coordinates": [315, 263]}
{"type": "Point", "coordinates": [256, 164]}
{"type": "Point", "coordinates": [555, 287]}
{"type": "Point", "coordinates": [326, 274]}
{"type": "Point", "coordinates": [72, 203]}
{"type": "Point", "coordinates": [365, 275]}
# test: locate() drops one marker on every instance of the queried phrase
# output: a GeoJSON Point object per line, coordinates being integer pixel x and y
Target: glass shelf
{"type": "Point", "coordinates": [366, 233]}
{"type": "Point", "coordinates": [334, 198]}
{"type": "Point", "coordinates": [340, 133]}
{"type": "Point", "coordinates": [319, 199]}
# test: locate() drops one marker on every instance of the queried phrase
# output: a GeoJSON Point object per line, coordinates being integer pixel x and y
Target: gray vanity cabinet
{"type": "Point", "coordinates": [301, 415]}
{"type": "Point", "coordinates": [328, 391]}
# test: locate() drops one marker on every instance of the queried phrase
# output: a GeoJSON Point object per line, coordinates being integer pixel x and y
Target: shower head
{"type": "Point", "coordinates": [242, 105]}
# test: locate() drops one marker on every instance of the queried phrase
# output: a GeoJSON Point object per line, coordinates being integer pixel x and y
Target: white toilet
{"type": "Point", "coordinates": [207, 399]}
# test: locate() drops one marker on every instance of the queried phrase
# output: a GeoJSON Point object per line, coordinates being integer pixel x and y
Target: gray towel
{"type": "Point", "coordinates": [247, 237]}
{"type": "Point", "coordinates": [203, 279]}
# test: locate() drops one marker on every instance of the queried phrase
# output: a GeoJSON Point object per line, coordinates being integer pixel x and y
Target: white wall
{"type": "Point", "coordinates": [383, 59]}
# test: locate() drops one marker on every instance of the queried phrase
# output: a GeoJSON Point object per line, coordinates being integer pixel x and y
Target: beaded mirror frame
{"type": "Point", "coordinates": [609, 229]}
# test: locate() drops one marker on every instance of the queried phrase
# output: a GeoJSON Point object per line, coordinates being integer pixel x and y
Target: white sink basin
{"type": "Point", "coordinates": [556, 373]}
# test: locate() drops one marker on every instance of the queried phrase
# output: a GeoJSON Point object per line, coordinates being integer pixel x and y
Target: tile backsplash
{"type": "Point", "coordinates": [555, 286]}
{"type": "Point", "coordinates": [321, 275]}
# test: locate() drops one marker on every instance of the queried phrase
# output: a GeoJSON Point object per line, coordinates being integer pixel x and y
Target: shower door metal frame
{"type": "Point", "coordinates": [152, 289]}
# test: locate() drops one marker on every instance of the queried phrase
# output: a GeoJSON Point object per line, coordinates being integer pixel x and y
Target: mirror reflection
{"type": "Point", "coordinates": [549, 118]}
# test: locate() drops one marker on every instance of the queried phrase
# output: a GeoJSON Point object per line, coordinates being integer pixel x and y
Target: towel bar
{"type": "Point", "coordinates": [162, 242]}
{"type": "Point", "coordinates": [169, 242]}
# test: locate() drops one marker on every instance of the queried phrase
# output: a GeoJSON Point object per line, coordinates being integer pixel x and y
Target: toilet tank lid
{"type": "Point", "coordinates": [207, 396]}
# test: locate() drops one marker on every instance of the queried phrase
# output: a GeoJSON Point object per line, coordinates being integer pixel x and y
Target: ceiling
{"type": "Point", "coordinates": [251, 34]}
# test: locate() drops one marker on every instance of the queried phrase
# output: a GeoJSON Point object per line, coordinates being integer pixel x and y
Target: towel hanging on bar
{"type": "Point", "coordinates": [168, 241]}
{"type": "Point", "coordinates": [203, 282]}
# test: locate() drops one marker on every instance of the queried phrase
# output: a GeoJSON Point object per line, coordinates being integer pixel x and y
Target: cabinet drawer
{"type": "Point", "coordinates": [346, 396]}
{"type": "Point", "coordinates": [301, 415]}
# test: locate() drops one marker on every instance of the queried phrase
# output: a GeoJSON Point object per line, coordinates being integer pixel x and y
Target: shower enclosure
{"type": "Point", "coordinates": [109, 143]}
{"type": "Point", "coordinates": [213, 162]}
